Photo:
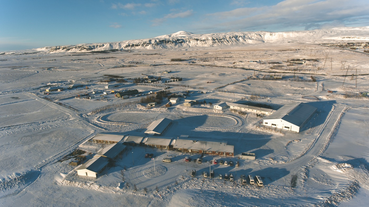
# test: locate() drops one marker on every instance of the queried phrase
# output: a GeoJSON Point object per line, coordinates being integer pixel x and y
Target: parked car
{"type": "Point", "coordinates": [231, 178]}
{"type": "Point", "coordinates": [187, 159]}
{"type": "Point", "coordinates": [243, 180]}
{"type": "Point", "coordinates": [237, 163]}
{"type": "Point", "coordinates": [221, 162]}
{"type": "Point", "coordinates": [226, 177]}
{"type": "Point", "coordinates": [231, 163]}
{"type": "Point", "coordinates": [226, 163]}
{"type": "Point", "coordinates": [167, 159]}
{"type": "Point", "coordinates": [215, 162]}
{"type": "Point", "coordinates": [193, 173]}
{"type": "Point", "coordinates": [205, 174]}
{"type": "Point", "coordinates": [251, 180]}
{"type": "Point", "coordinates": [199, 160]}
{"type": "Point", "coordinates": [259, 182]}
{"type": "Point", "coordinates": [147, 155]}
{"type": "Point", "coordinates": [212, 174]}
{"type": "Point", "coordinates": [220, 176]}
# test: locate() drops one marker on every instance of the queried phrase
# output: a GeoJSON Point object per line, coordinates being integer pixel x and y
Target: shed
{"type": "Point", "coordinates": [173, 100]}
{"type": "Point", "coordinates": [112, 151]}
{"type": "Point", "coordinates": [157, 127]}
{"type": "Point", "coordinates": [133, 140]}
{"type": "Point", "coordinates": [206, 147]}
{"type": "Point", "coordinates": [160, 143]}
{"type": "Point", "coordinates": [93, 167]}
{"type": "Point", "coordinates": [220, 106]}
{"type": "Point", "coordinates": [107, 138]}
{"type": "Point", "coordinates": [290, 117]}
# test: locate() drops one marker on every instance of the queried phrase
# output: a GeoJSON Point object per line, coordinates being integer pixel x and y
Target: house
{"type": "Point", "coordinates": [249, 108]}
{"type": "Point", "coordinates": [106, 138]}
{"type": "Point", "coordinates": [173, 100]}
{"type": "Point", "coordinates": [220, 106]}
{"type": "Point", "coordinates": [160, 143]}
{"type": "Point", "coordinates": [93, 167]}
{"type": "Point", "coordinates": [112, 151]}
{"type": "Point", "coordinates": [157, 127]}
{"type": "Point", "coordinates": [133, 140]}
{"type": "Point", "coordinates": [203, 147]}
{"type": "Point", "coordinates": [290, 117]}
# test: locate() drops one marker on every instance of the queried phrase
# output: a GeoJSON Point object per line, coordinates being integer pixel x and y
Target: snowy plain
{"type": "Point", "coordinates": [325, 165]}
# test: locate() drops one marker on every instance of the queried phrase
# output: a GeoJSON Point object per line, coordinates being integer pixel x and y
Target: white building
{"type": "Point", "coordinates": [93, 167]}
{"type": "Point", "coordinates": [249, 108]}
{"type": "Point", "coordinates": [157, 127]}
{"type": "Point", "coordinates": [107, 138]}
{"type": "Point", "coordinates": [290, 117]}
{"type": "Point", "coordinates": [173, 100]}
{"type": "Point", "coordinates": [220, 106]}
{"type": "Point", "coordinates": [112, 151]}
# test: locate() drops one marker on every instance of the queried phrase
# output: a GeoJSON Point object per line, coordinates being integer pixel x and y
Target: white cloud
{"type": "Point", "coordinates": [142, 12]}
{"type": "Point", "coordinates": [150, 4]}
{"type": "Point", "coordinates": [173, 1]}
{"type": "Point", "coordinates": [125, 6]}
{"type": "Point", "coordinates": [288, 14]}
{"type": "Point", "coordinates": [184, 14]}
{"type": "Point", "coordinates": [115, 25]}
{"type": "Point", "coordinates": [240, 2]}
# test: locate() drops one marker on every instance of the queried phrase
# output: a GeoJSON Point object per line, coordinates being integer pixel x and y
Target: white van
{"type": "Point", "coordinates": [259, 182]}
{"type": "Point", "coordinates": [251, 180]}
{"type": "Point", "coordinates": [167, 159]}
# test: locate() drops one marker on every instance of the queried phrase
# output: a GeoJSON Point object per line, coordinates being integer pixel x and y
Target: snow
{"type": "Point", "coordinates": [325, 164]}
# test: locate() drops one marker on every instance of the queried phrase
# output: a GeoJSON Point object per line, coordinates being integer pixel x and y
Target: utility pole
{"type": "Point", "coordinates": [348, 67]}
{"type": "Point", "coordinates": [356, 79]}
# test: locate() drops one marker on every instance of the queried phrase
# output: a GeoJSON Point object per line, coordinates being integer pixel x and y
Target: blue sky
{"type": "Point", "coordinates": [26, 24]}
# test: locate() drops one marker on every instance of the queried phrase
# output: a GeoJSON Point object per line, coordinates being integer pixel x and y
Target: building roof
{"type": "Point", "coordinates": [296, 114]}
{"type": "Point", "coordinates": [108, 137]}
{"type": "Point", "coordinates": [203, 145]}
{"type": "Point", "coordinates": [221, 104]}
{"type": "Point", "coordinates": [158, 126]}
{"type": "Point", "coordinates": [250, 107]}
{"type": "Point", "coordinates": [112, 150]}
{"type": "Point", "coordinates": [157, 141]}
{"type": "Point", "coordinates": [133, 139]}
{"type": "Point", "coordinates": [95, 164]}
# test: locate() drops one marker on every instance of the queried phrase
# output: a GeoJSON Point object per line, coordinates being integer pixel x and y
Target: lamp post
{"type": "Point", "coordinates": [132, 159]}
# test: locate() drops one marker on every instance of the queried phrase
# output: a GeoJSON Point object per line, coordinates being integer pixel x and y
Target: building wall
{"type": "Point", "coordinates": [86, 173]}
{"type": "Point", "coordinates": [245, 109]}
{"type": "Point", "coordinates": [281, 124]}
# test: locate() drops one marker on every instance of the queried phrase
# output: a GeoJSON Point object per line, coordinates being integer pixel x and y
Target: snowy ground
{"type": "Point", "coordinates": [325, 164]}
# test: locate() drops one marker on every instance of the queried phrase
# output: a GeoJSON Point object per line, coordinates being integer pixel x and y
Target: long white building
{"type": "Point", "coordinates": [290, 117]}
{"type": "Point", "coordinates": [157, 127]}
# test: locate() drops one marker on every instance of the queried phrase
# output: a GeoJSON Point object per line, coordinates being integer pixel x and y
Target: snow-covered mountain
{"type": "Point", "coordinates": [184, 39]}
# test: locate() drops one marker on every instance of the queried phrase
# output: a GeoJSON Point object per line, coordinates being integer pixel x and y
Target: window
{"type": "Point", "coordinates": [274, 125]}
{"type": "Point", "coordinates": [265, 122]}
{"type": "Point", "coordinates": [286, 127]}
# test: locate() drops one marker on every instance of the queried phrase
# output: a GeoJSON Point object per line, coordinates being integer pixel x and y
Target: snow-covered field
{"type": "Point", "coordinates": [326, 164]}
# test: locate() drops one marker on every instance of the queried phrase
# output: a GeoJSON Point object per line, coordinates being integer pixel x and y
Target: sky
{"type": "Point", "coordinates": [26, 24]}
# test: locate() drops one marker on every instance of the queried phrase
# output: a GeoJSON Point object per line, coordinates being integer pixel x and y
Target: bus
{"type": "Point", "coordinates": [259, 182]}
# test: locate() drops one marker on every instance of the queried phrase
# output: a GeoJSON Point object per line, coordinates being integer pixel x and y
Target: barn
{"type": "Point", "coordinates": [93, 167]}
{"type": "Point", "coordinates": [203, 147]}
{"type": "Point", "coordinates": [112, 151]}
{"type": "Point", "coordinates": [133, 140]}
{"type": "Point", "coordinates": [157, 127]}
{"type": "Point", "coordinates": [290, 117]}
{"type": "Point", "coordinates": [160, 143]}
{"type": "Point", "coordinates": [107, 138]}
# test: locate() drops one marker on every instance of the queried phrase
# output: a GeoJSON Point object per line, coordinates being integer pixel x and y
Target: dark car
{"type": "Point", "coordinates": [147, 155]}
{"type": "Point", "coordinates": [231, 163]}
{"type": "Point", "coordinates": [221, 162]}
{"type": "Point", "coordinates": [226, 177]}
{"type": "Point", "coordinates": [193, 173]}
{"type": "Point", "coordinates": [187, 159]}
{"type": "Point", "coordinates": [199, 160]}
{"type": "Point", "coordinates": [231, 178]}
{"type": "Point", "coordinates": [212, 174]}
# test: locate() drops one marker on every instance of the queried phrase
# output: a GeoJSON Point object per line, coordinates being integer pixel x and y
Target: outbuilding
{"type": "Point", "coordinates": [173, 100]}
{"type": "Point", "coordinates": [107, 138]}
{"type": "Point", "coordinates": [133, 140]}
{"type": "Point", "coordinates": [203, 147]}
{"type": "Point", "coordinates": [157, 127]}
{"type": "Point", "coordinates": [221, 106]}
{"type": "Point", "coordinates": [93, 167]}
{"type": "Point", "coordinates": [160, 143]}
{"type": "Point", "coordinates": [290, 117]}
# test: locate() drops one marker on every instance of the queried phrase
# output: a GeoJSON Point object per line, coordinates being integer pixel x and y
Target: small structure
{"type": "Point", "coordinates": [247, 156]}
{"type": "Point", "coordinates": [54, 88]}
{"type": "Point", "coordinates": [290, 117]}
{"type": "Point", "coordinates": [133, 140]}
{"type": "Point", "coordinates": [93, 167]}
{"type": "Point", "coordinates": [249, 108]}
{"type": "Point", "coordinates": [189, 103]}
{"type": "Point", "coordinates": [221, 106]}
{"type": "Point", "coordinates": [151, 104]}
{"type": "Point", "coordinates": [105, 138]}
{"type": "Point", "coordinates": [160, 143]}
{"type": "Point", "coordinates": [204, 147]}
{"type": "Point", "coordinates": [173, 100]}
{"type": "Point", "coordinates": [157, 127]}
{"type": "Point", "coordinates": [112, 151]}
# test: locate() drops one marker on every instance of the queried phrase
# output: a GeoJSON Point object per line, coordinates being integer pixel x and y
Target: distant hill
{"type": "Point", "coordinates": [184, 39]}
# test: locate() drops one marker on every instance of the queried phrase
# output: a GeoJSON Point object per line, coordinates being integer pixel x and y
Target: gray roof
{"type": "Point", "coordinates": [95, 164]}
{"type": "Point", "coordinates": [296, 114]}
{"type": "Point", "coordinates": [112, 150]}
{"type": "Point", "coordinates": [250, 107]}
{"type": "Point", "coordinates": [158, 126]}
{"type": "Point", "coordinates": [157, 141]}
{"type": "Point", "coordinates": [133, 139]}
{"type": "Point", "coordinates": [108, 137]}
{"type": "Point", "coordinates": [203, 145]}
